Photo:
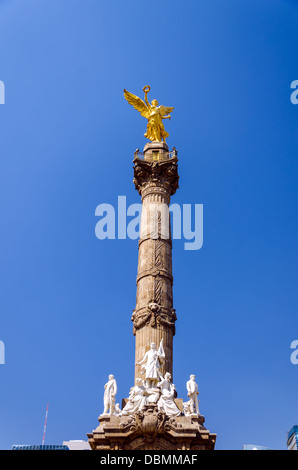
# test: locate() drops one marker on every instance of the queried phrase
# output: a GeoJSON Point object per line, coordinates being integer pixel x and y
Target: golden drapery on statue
{"type": "Point", "coordinates": [154, 113]}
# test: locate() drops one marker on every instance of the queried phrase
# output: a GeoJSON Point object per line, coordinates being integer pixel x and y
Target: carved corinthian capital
{"type": "Point", "coordinates": [159, 176]}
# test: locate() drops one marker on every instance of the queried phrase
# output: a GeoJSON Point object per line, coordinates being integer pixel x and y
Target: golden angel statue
{"type": "Point", "coordinates": [154, 113]}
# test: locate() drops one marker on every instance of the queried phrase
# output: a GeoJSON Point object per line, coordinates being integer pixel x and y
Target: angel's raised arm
{"type": "Point", "coordinates": [146, 90]}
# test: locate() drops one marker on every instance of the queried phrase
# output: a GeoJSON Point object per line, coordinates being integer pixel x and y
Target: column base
{"type": "Point", "coordinates": [150, 429]}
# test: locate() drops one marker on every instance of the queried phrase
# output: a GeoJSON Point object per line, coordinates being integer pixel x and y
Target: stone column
{"type": "Point", "coordinates": [156, 179]}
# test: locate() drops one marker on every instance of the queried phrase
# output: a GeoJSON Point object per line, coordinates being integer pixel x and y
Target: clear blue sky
{"type": "Point", "coordinates": [67, 142]}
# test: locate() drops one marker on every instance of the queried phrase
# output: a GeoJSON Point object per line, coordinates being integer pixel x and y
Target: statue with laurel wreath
{"type": "Point", "coordinates": [153, 113]}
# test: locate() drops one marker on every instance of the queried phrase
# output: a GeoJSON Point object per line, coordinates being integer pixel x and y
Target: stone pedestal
{"type": "Point", "coordinates": [150, 429]}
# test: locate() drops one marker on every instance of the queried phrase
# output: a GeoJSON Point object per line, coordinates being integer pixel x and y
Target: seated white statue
{"type": "Point", "coordinates": [166, 402]}
{"type": "Point", "coordinates": [137, 399]}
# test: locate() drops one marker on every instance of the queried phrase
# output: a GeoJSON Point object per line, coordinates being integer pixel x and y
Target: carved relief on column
{"type": "Point", "coordinates": [154, 317]}
{"type": "Point", "coordinates": [155, 181]}
{"type": "Point", "coordinates": [154, 302]}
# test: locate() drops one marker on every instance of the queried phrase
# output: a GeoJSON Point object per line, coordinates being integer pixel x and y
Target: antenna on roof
{"type": "Point", "coordinates": [45, 425]}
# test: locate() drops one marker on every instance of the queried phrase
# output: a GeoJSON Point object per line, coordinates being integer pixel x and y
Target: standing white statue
{"type": "Point", "coordinates": [109, 396]}
{"type": "Point", "coordinates": [166, 402]}
{"type": "Point", "coordinates": [192, 392]}
{"type": "Point", "coordinates": [151, 364]}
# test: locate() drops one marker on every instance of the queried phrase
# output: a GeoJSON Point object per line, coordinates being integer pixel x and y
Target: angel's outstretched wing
{"type": "Point", "coordinates": [137, 103]}
{"type": "Point", "coordinates": [164, 110]}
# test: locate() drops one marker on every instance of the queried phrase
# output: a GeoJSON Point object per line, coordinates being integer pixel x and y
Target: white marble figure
{"type": "Point", "coordinates": [186, 408]}
{"type": "Point", "coordinates": [166, 402]}
{"type": "Point", "coordinates": [192, 406]}
{"type": "Point", "coordinates": [151, 364]}
{"type": "Point", "coordinates": [153, 395]}
{"type": "Point", "coordinates": [117, 411]}
{"type": "Point", "coordinates": [137, 399]}
{"type": "Point", "coordinates": [109, 396]}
